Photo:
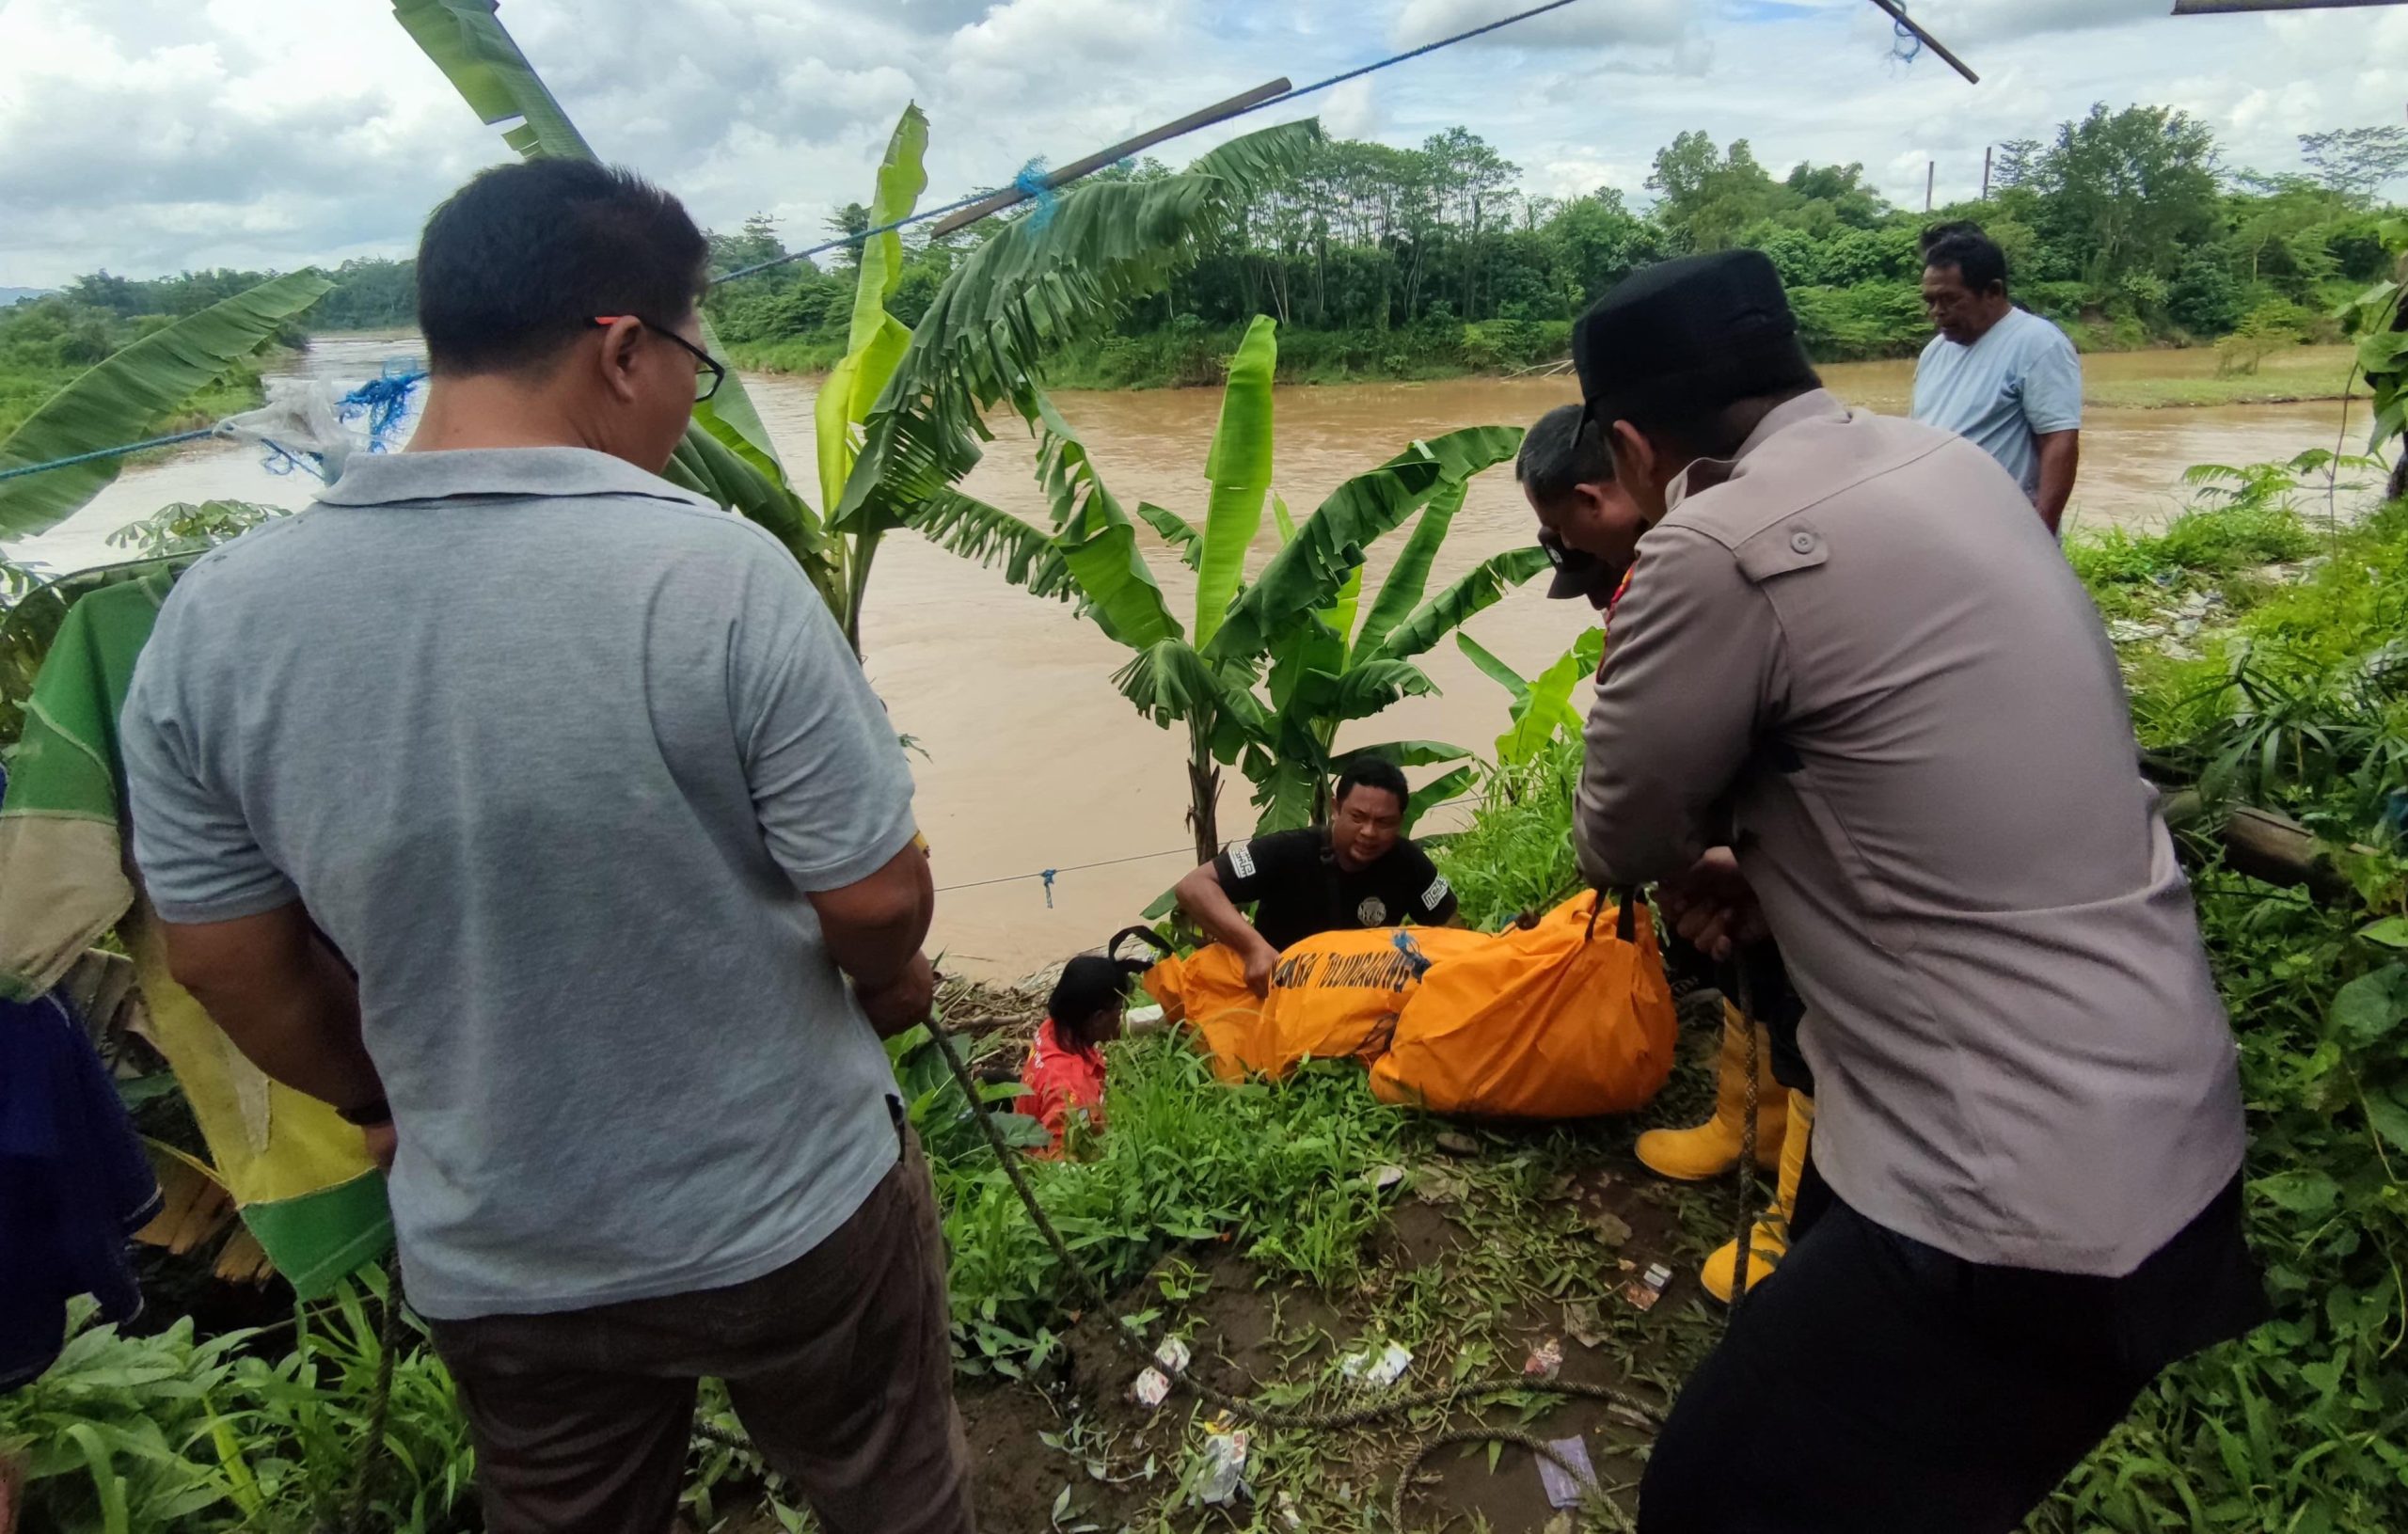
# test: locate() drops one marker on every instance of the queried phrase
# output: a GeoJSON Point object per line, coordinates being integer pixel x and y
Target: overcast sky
{"type": "Point", "coordinates": [150, 135]}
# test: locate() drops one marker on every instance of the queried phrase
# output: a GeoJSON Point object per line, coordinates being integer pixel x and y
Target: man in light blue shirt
{"type": "Point", "coordinates": [1999, 376]}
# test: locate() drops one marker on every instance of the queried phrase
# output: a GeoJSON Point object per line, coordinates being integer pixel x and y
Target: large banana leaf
{"type": "Point", "coordinates": [1404, 753]}
{"type": "Point", "coordinates": [878, 339]}
{"type": "Point", "coordinates": [1461, 455]}
{"type": "Point", "coordinates": [976, 530]}
{"type": "Point", "coordinates": [1239, 471]}
{"type": "Point", "coordinates": [1038, 285]}
{"type": "Point", "coordinates": [467, 42]}
{"type": "Point", "coordinates": [1171, 682]}
{"type": "Point", "coordinates": [1176, 531]}
{"type": "Point", "coordinates": [124, 397]}
{"type": "Point", "coordinates": [1480, 589]}
{"type": "Point", "coordinates": [476, 52]}
{"type": "Point", "coordinates": [1097, 542]}
{"type": "Point", "coordinates": [1544, 707]}
{"type": "Point", "coordinates": [1495, 668]}
{"type": "Point", "coordinates": [1309, 574]}
{"type": "Point", "coordinates": [1435, 792]}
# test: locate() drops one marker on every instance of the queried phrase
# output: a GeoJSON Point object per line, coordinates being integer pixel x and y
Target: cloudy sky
{"type": "Point", "coordinates": [149, 135]}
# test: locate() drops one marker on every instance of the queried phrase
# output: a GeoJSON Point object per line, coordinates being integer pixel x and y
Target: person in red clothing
{"type": "Point", "coordinates": [1064, 1071]}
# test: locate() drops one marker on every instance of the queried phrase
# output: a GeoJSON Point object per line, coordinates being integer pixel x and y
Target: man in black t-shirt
{"type": "Point", "coordinates": [1358, 871]}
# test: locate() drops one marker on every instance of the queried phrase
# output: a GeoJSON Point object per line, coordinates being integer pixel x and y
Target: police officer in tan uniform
{"type": "Point", "coordinates": [1857, 702]}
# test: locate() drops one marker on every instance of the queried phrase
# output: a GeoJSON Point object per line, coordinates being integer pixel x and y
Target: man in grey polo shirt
{"type": "Point", "coordinates": [573, 771]}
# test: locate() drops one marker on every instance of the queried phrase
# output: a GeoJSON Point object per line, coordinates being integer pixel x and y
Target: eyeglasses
{"type": "Point", "coordinates": [710, 372]}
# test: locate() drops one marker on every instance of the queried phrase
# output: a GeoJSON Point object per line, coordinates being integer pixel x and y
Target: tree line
{"type": "Point", "coordinates": [2129, 227]}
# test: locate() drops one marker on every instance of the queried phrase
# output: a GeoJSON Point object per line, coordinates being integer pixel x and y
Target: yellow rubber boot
{"type": "Point", "coordinates": [1712, 1148]}
{"type": "Point", "coordinates": [1770, 1241]}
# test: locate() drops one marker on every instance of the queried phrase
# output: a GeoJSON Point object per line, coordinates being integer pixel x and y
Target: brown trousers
{"type": "Point", "coordinates": [839, 1366]}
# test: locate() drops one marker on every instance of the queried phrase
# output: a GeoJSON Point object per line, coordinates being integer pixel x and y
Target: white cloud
{"type": "Point", "coordinates": [1654, 23]}
{"type": "Point", "coordinates": [1966, 21]}
{"type": "Point", "coordinates": [149, 138]}
{"type": "Point", "coordinates": [1351, 111]}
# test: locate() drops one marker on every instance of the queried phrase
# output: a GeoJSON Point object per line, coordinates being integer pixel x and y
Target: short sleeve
{"type": "Point", "coordinates": [2052, 386]}
{"type": "Point", "coordinates": [199, 859]}
{"type": "Point", "coordinates": [829, 784]}
{"type": "Point", "coordinates": [1248, 868]}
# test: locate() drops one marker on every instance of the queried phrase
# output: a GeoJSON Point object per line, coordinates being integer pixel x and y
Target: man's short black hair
{"type": "Point", "coordinates": [1947, 228]}
{"type": "Point", "coordinates": [1373, 773]}
{"type": "Point", "coordinates": [523, 260]}
{"type": "Point", "coordinates": [1977, 257]}
{"type": "Point", "coordinates": [1557, 455]}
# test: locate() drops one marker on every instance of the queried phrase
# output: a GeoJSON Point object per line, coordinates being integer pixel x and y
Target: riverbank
{"type": "Point", "coordinates": [2156, 379]}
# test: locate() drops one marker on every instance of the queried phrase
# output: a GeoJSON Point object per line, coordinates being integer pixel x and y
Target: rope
{"type": "Point", "coordinates": [1048, 874]}
{"type": "Point", "coordinates": [23, 469]}
{"type": "Point", "coordinates": [864, 236]}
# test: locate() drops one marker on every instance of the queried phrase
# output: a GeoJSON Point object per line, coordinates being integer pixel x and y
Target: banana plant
{"type": "Point", "coordinates": [1040, 284]}
{"type": "Point", "coordinates": [874, 349]}
{"type": "Point", "coordinates": [1276, 664]}
{"type": "Point", "coordinates": [130, 392]}
{"type": "Point", "coordinates": [1541, 706]}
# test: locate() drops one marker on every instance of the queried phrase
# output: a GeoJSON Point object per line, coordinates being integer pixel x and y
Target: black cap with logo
{"type": "Point", "coordinates": [1688, 336]}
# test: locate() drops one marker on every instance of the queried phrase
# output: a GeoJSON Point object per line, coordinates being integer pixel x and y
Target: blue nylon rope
{"type": "Point", "coordinates": [120, 451]}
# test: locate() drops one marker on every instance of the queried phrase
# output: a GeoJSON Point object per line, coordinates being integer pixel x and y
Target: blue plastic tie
{"type": "Point", "coordinates": [1047, 875]}
{"type": "Point", "coordinates": [1412, 952]}
{"type": "Point", "coordinates": [383, 401]}
{"type": "Point", "coordinates": [1032, 183]}
{"type": "Point", "coordinates": [1908, 47]}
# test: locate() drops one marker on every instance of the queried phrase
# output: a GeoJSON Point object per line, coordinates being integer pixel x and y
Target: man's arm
{"type": "Point", "coordinates": [285, 999]}
{"type": "Point", "coordinates": [831, 791]}
{"type": "Point", "coordinates": [1201, 897]}
{"type": "Point", "coordinates": [2060, 455]}
{"type": "Point", "coordinates": [1694, 665]}
{"type": "Point", "coordinates": [2053, 409]}
{"type": "Point", "coordinates": [874, 928]}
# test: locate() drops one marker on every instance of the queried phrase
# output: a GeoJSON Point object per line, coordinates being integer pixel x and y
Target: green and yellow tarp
{"type": "Point", "coordinates": [300, 1176]}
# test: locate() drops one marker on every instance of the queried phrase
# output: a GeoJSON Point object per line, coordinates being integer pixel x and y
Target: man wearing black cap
{"type": "Point", "coordinates": [1856, 700]}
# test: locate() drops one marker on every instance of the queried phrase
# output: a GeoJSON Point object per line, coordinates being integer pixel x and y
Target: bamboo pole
{"type": "Point", "coordinates": [1269, 90]}
{"type": "Point", "coordinates": [1897, 13]}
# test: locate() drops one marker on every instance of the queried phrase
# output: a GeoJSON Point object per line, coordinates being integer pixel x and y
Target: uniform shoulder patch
{"type": "Point", "coordinates": [1435, 895]}
{"type": "Point", "coordinates": [1241, 859]}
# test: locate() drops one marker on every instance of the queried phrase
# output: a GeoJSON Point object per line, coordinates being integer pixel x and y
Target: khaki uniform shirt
{"type": "Point", "coordinates": [1854, 652]}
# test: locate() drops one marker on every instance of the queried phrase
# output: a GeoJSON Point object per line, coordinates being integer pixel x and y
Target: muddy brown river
{"type": "Point", "coordinates": [1033, 760]}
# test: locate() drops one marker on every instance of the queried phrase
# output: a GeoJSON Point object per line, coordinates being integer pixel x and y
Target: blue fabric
{"type": "Point", "coordinates": [74, 1184]}
{"type": "Point", "coordinates": [2022, 379]}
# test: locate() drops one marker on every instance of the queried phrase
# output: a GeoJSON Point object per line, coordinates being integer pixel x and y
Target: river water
{"type": "Point", "coordinates": [1032, 760]}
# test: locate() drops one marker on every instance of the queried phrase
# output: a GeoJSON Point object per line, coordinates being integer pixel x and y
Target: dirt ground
{"type": "Point", "coordinates": [1500, 1241]}
{"type": "Point", "coordinates": [1077, 1434]}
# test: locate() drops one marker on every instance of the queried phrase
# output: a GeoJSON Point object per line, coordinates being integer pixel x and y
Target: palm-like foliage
{"type": "Point", "coordinates": [126, 396]}
{"type": "Point", "coordinates": [1040, 284]}
{"type": "Point", "coordinates": [1274, 665]}
{"type": "Point", "coordinates": [1542, 709]}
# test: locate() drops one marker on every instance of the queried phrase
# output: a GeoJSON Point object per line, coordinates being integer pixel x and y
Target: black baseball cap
{"type": "Point", "coordinates": [1688, 336]}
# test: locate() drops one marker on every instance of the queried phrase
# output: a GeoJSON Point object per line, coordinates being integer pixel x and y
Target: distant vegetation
{"type": "Point", "coordinates": [2127, 228]}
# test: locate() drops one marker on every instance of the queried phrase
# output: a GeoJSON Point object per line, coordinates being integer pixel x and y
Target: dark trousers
{"type": "Point", "coordinates": [1873, 1384]}
{"type": "Point", "coordinates": [839, 1366]}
